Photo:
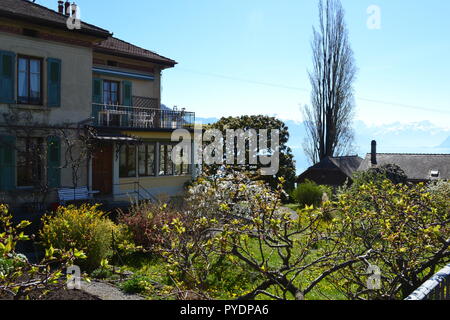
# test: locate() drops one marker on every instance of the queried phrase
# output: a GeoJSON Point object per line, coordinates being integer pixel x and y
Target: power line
{"type": "Point", "coordinates": [402, 105]}
{"type": "Point", "coordinates": [276, 85]}
{"type": "Point", "coordinates": [268, 84]}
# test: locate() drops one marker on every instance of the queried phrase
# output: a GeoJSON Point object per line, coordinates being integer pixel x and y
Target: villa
{"type": "Point", "coordinates": [81, 110]}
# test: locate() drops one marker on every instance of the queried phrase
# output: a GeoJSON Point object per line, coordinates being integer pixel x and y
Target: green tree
{"type": "Point", "coordinates": [329, 117]}
{"type": "Point", "coordinates": [260, 122]}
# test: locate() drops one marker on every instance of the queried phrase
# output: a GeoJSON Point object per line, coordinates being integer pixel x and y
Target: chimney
{"type": "Point", "coordinates": [74, 10]}
{"type": "Point", "coordinates": [67, 8]}
{"type": "Point", "coordinates": [373, 157]}
{"type": "Point", "coordinates": [61, 6]}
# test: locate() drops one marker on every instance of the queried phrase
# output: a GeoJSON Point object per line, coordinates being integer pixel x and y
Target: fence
{"type": "Point", "coordinates": [437, 288]}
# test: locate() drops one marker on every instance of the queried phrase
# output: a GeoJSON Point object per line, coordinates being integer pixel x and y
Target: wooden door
{"type": "Point", "coordinates": [102, 170]}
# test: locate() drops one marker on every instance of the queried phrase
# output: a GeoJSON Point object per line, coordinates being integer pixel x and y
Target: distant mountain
{"type": "Point", "coordinates": [445, 144]}
{"type": "Point", "coordinates": [415, 137]}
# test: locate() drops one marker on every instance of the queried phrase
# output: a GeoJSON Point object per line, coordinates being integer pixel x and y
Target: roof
{"type": "Point", "coordinates": [35, 13]}
{"type": "Point", "coordinates": [416, 166]}
{"type": "Point", "coordinates": [347, 164]}
{"type": "Point", "coordinates": [119, 47]}
{"type": "Point", "coordinates": [113, 136]}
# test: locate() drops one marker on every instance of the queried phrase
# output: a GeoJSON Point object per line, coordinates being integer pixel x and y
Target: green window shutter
{"type": "Point", "coordinates": [97, 90]}
{"type": "Point", "coordinates": [7, 76]}
{"type": "Point", "coordinates": [7, 163]}
{"type": "Point", "coordinates": [54, 82]}
{"type": "Point", "coordinates": [97, 97]}
{"type": "Point", "coordinates": [127, 93]}
{"type": "Point", "coordinates": [53, 162]}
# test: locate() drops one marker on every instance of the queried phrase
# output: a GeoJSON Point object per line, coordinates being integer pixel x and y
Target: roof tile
{"type": "Point", "coordinates": [116, 45]}
{"type": "Point", "coordinates": [416, 166]}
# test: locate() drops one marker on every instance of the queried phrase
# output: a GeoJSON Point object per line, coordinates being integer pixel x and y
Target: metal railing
{"type": "Point", "coordinates": [437, 288]}
{"type": "Point", "coordinates": [138, 190]}
{"type": "Point", "coordinates": [118, 116]}
{"type": "Point", "coordinates": [144, 102]}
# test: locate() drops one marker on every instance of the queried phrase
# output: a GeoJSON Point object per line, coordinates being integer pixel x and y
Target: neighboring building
{"type": "Point", "coordinates": [57, 84]}
{"type": "Point", "coordinates": [417, 167]}
{"type": "Point", "coordinates": [332, 171]}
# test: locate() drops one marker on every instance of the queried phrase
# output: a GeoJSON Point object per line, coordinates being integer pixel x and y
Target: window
{"type": "Point", "coordinates": [146, 160]}
{"type": "Point", "coordinates": [127, 161]}
{"type": "Point", "coordinates": [182, 168]}
{"type": "Point", "coordinates": [111, 92]}
{"type": "Point", "coordinates": [434, 173]}
{"type": "Point", "coordinates": [29, 161]}
{"type": "Point", "coordinates": [29, 86]}
{"type": "Point", "coordinates": [165, 160]}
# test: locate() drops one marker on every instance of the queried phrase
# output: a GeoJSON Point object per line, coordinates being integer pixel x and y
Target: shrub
{"type": "Point", "coordinates": [309, 193]}
{"type": "Point", "coordinates": [145, 222]}
{"type": "Point", "coordinates": [440, 191]}
{"type": "Point", "coordinates": [21, 279]}
{"type": "Point", "coordinates": [85, 228]}
{"type": "Point", "coordinates": [6, 266]}
{"type": "Point", "coordinates": [391, 172]}
{"type": "Point", "coordinates": [136, 284]}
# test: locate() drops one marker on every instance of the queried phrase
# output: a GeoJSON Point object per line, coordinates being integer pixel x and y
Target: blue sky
{"type": "Point", "coordinates": [220, 44]}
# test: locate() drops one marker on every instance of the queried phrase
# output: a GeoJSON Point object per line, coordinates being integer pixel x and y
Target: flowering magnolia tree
{"type": "Point", "coordinates": [406, 229]}
{"type": "Point", "coordinates": [21, 279]}
{"type": "Point", "coordinates": [231, 216]}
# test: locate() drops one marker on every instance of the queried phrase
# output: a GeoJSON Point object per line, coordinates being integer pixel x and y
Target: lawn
{"type": "Point", "coordinates": [228, 280]}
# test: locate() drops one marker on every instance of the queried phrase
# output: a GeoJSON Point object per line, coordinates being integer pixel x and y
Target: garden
{"type": "Point", "coordinates": [236, 237]}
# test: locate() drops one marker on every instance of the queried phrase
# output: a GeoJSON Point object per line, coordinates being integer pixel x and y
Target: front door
{"type": "Point", "coordinates": [102, 169]}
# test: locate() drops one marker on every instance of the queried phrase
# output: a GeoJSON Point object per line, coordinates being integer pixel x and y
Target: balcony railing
{"type": "Point", "coordinates": [437, 288]}
{"type": "Point", "coordinates": [141, 117]}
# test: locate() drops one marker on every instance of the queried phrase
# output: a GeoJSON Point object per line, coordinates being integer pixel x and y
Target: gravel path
{"type": "Point", "coordinates": [106, 291]}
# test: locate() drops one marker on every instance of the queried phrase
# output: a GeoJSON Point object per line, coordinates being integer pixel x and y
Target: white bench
{"type": "Point", "coordinates": [75, 194]}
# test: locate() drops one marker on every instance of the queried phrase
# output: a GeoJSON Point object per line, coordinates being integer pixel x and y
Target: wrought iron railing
{"type": "Point", "coordinates": [136, 191]}
{"type": "Point", "coordinates": [107, 115]}
{"type": "Point", "coordinates": [437, 288]}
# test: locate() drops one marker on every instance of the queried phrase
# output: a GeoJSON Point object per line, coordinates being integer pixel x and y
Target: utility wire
{"type": "Point", "coordinates": [276, 85]}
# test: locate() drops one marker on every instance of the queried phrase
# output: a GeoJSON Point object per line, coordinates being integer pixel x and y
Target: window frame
{"type": "Point", "coordinates": [163, 172]}
{"type": "Point", "coordinates": [146, 145]}
{"type": "Point", "coordinates": [20, 153]}
{"type": "Point", "coordinates": [41, 80]}
{"type": "Point", "coordinates": [106, 81]}
{"type": "Point", "coordinates": [127, 166]}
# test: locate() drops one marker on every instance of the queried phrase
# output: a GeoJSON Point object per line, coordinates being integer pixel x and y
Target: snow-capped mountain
{"type": "Point", "coordinates": [415, 137]}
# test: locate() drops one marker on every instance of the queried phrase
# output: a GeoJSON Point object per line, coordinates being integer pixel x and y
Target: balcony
{"type": "Point", "coordinates": [141, 116]}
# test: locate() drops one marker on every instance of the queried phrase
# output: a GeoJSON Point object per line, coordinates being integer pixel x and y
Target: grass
{"type": "Point", "coordinates": [293, 206]}
{"type": "Point", "coordinates": [229, 279]}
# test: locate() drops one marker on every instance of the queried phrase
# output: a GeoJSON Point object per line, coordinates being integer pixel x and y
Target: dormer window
{"type": "Point", "coordinates": [434, 174]}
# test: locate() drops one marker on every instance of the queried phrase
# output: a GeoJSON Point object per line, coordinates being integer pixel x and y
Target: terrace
{"type": "Point", "coordinates": [146, 113]}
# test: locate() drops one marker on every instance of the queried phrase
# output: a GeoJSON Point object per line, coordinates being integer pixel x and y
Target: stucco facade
{"type": "Point", "coordinates": [93, 88]}
{"type": "Point", "coordinates": [76, 95]}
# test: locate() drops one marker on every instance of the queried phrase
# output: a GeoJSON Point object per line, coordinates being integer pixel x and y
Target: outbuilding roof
{"type": "Point", "coordinates": [419, 167]}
